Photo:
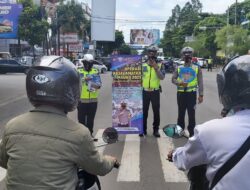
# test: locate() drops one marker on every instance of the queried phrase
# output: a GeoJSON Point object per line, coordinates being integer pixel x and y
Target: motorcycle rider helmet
{"type": "Point", "coordinates": [187, 53]}
{"type": "Point", "coordinates": [53, 80]}
{"type": "Point", "coordinates": [233, 83]}
{"type": "Point", "coordinates": [152, 49]}
{"type": "Point", "coordinates": [152, 52]}
{"type": "Point", "coordinates": [87, 61]}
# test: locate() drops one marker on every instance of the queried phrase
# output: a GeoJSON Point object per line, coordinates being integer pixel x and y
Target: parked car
{"type": "Point", "coordinates": [5, 55]}
{"type": "Point", "coordinates": [106, 61]}
{"type": "Point", "coordinates": [169, 65]}
{"type": "Point", "coordinates": [27, 60]}
{"type": "Point", "coordinates": [202, 62]}
{"type": "Point", "coordinates": [97, 64]}
{"type": "Point", "coordinates": [12, 66]}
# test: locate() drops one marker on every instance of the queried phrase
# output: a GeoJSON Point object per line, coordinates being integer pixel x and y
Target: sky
{"type": "Point", "coordinates": [156, 10]}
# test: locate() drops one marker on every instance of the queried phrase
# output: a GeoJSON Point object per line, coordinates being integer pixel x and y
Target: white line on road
{"type": "Point", "coordinates": [171, 173]}
{"type": "Point", "coordinates": [13, 100]}
{"type": "Point", "coordinates": [130, 163]}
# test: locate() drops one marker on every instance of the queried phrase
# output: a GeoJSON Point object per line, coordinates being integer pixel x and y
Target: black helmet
{"type": "Point", "coordinates": [187, 51]}
{"type": "Point", "coordinates": [54, 80]}
{"type": "Point", "coordinates": [152, 49]}
{"type": "Point", "coordinates": [234, 83]}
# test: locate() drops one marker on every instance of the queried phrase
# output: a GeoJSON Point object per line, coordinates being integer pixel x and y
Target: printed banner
{"type": "Point", "coordinates": [127, 112]}
{"type": "Point", "coordinates": [9, 14]}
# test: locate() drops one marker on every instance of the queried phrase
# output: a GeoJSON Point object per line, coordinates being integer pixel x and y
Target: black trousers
{"type": "Point", "coordinates": [86, 114]}
{"type": "Point", "coordinates": [209, 67]}
{"type": "Point", "coordinates": [186, 101]}
{"type": "Point", "coordinates": [154, 98]}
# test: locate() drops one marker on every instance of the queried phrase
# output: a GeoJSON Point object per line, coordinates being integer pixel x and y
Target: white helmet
{"type": "Point", "coordinates": [88, 57]}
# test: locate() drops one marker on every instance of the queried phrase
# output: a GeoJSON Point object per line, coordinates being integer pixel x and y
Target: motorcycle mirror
{"type": "Point", "coordinates": [110, 135]}
{"type": "Point", "coordinates": [173, 131]}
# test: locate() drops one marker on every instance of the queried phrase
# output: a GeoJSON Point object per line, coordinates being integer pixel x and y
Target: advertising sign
{"type": "Point", "coordinates": [69, 38]}
{"type": "Point", "coordinates": [127, 113]}
{"type": "Point", "coordinates": [9, 14]}
{"type": "Point", "coordinates": [145, 36]}
{"type": "Point", "coordinates": [75, 48]}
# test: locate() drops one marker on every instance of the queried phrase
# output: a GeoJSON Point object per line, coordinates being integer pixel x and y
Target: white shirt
{"type": "Point", "coordinates": [213, 143]}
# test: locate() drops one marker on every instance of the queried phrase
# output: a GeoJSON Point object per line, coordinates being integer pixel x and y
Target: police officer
{"type": "Point", "coordinates": [91, 83]}
{"type": "Point", "coordinates": [209, 64]}
{"type": "Point", "coordinates": [216, 141]}
{"type": "Point", "coordinates": [188, 78]}
{"type": "Point", "coordinates": [43, 148]}
{"type": "Point", "coordinates": [153, 72]}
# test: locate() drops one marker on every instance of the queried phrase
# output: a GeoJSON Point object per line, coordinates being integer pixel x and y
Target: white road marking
{"type": "Point", "coordinates": [130, 163]}
{"type": "Point", "coordinates": [100, 141]}
{"type": "Point", "coordinates": [171, 173]}
{"type": "Point", "coordinates": [12, 100]}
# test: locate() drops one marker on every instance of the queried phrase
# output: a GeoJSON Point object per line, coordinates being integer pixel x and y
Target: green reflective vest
{"type": "Point", "coordinates": [150, 78]}
{"type": "Point", "coordinates": [192, 83]}
{"type": "Point", "coordinates": [85, 93]}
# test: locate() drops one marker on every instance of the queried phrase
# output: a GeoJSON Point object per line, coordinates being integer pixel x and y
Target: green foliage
{"type": "Point", "coordinates": [108, 47]}
{"type": "Point", "coordinates": [125, 50]}
{"type": "Point", "coordinates": [32, 27]}
{"type": "Point", "coordinates": [180, 25]}
{"type": "Point", "coordinates": [233, 40]}
{"type": "Point", "coordinates": [70, 18]}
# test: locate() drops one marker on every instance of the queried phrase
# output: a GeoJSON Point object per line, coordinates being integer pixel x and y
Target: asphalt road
{"type": "Point", "coordinates": [144, 166]}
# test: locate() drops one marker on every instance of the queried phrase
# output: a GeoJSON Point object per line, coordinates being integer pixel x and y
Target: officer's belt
{"type": "Point", "coordinates": [150, 89]}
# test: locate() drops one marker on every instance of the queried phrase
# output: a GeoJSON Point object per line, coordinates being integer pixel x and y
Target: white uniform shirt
{"type": "Point", "coordinates": [213, 143]}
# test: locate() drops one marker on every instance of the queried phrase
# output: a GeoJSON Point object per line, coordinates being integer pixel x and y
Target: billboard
{"type": "Point", "coordinates": [103, 20]}
{"type": "Point", "coordinates": [69, 38]}
{"type": "Point", "coordinates": [9, 14]}
{"type": "Point", "coordinates": [145, 36]}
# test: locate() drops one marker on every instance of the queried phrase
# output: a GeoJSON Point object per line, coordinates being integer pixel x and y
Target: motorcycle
{"type": "Point", "coordinates": [87, 181]}
{"type": "Point", "coordinates": [197, 174]}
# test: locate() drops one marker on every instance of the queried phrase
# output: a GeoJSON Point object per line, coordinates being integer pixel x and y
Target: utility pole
{"type": "Point", "coordinates": [235, 21]}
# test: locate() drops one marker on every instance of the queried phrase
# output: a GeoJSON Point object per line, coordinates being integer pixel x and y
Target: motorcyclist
{"type": "Point", "coordinates": [43, 148]}
{"type": "Point", "coordinates": [216, 141]}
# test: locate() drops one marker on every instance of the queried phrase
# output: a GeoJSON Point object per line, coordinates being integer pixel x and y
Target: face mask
{"type": "Point", "coordinates": [88, 66]}
{"type": "Point", "coordinates": [187, 58]}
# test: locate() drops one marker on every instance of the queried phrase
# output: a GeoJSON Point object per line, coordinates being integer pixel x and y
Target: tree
{"type": "Point", "coordinates": [206, 28]}
{"type": "Point", "coordinates": [108, 47]}
{"type": "Point", "coordinates": [180, 25]}
{"type": "Point", "coordinates": [70, 18]}
{"type": "Point", "coordinates": [32, 27]}
{"type": "Point", "coordinates": [233, 40]}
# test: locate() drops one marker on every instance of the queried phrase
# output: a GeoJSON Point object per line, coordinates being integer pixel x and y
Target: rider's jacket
{"type": "Point", "coordinates": [42, 149]}
{"type": "Point", "coordinates": [213, 143]}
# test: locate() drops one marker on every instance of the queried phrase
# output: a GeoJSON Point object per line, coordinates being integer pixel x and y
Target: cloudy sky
{"type": "Point", "coordinates": [156, 10]}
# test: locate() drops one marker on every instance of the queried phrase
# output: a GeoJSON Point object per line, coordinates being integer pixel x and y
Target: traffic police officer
{"type": "Point", "coordinates": [91, 82]}
{"type": "Point", "coordinates": [219, 140]}
{"type": "Point", "coordinates": [188, 78]}
{"type": "Point", "coordinates": [153, 72]}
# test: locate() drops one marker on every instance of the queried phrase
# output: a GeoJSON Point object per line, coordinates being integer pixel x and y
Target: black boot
{"type": "Point", "coordinates": [156, 133]}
